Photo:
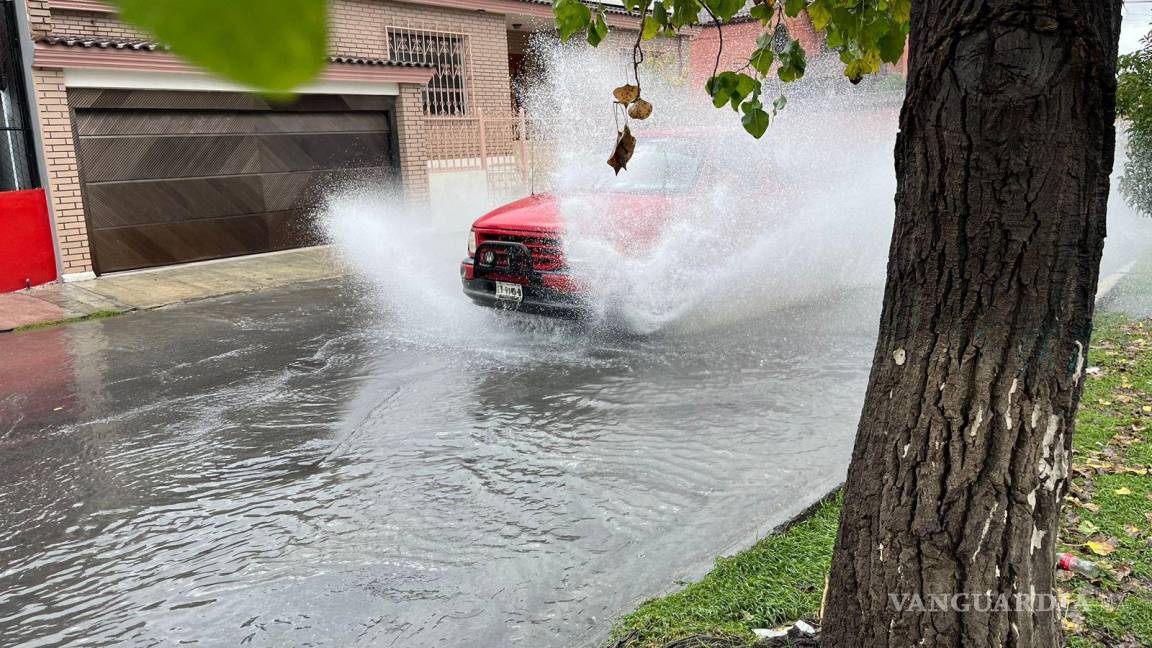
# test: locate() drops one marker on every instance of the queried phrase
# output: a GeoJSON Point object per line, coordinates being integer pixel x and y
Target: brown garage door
{"type": "Point", "coordinates": [171, 177]}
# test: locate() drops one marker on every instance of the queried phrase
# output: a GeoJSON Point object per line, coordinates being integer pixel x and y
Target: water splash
{"type": "Point", "coordinates": [707, 227]}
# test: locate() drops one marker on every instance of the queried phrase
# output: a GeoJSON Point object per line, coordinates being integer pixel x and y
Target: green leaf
{"type": "Point", "coordinates": [728, 8]}
{"type": "Point", "coordinates": [793, 62]}
{"type": "Point", "coordinates": [744, 86]}
{"type": "Point", "coordinates": [794, 7]}
{"type": "Point", "coordinates": [762, 59]}
{"type": "Point", "coordinates": [755, 120]}
{"type": "Point", "coordinates": [653, 22]}
{"type": "Point", "coordinates": [855, 69]}
{"type": "Point", "coordinates": [731, 87]}
{"type": "Point", "coordinates": [833, 38]}
{"type": "Point", "coordinates": [892, 46]}
{"type": "Point", "coordinates": [684, 12]}
{"type": "Point", "coordinates": [270, 45]}
{"type": "Point", "coordinates": [720, 88]}
{"type": "Point", "coordinates": [761, 12]}
{"type": "Point", "coordinates": [900, 10]}
{"type": "Point", "coordinates": [820, 14]}
{"type": "Point", "coordinates": [572, 16]}
{"type": "Point", "coordinates": [779, 104]}
{"type": "Point", "coordinates": [597, 30]}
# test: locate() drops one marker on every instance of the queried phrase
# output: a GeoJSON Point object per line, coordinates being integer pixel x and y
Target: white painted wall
{"type": "Point", "coordinates": [456, 198]}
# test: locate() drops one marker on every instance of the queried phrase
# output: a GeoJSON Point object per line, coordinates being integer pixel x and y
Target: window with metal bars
{"type": "Point", "coordinates": [17, 153]}
{"type": "Point", "coordinates": [447, 91]}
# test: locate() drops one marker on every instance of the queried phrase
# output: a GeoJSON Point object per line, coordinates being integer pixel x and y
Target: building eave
{"type": "Point", "coordinates": [614, 16]}
{"type": "Point", "coordinates": [152, 60]}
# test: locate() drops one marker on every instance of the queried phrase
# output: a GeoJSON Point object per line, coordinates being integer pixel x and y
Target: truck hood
{"type": "Point", "coordinates": [635, 215]}
{"type": "Point", "coordinates": [539, 213]}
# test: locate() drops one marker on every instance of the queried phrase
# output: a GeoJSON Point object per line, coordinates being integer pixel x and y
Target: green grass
{"type": "Point", "coordinates": [780, 579]}
{"type": "Point", "coordinates": [1112, 504]}
{"type": "Point", "coordinates": [101, 314]}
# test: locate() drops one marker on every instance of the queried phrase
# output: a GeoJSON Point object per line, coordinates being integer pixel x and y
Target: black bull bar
{"type": "Point", "coordinates": [488, 253]}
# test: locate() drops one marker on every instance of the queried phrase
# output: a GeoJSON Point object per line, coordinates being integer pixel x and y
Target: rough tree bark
{"type": "Point", "coordinates": [962, 452]}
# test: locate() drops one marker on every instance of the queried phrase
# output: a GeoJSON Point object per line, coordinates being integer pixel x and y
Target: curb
{"type": "Point", "coordinates": [1104, 286]}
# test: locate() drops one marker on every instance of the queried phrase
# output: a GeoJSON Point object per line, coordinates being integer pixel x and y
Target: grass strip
{"type": "Point", "coordinates": [100, 314]}
{"type": "Point", "coordinates": [1107, 519]}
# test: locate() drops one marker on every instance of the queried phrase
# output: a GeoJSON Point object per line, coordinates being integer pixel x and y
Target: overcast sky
{"type": "Point", "coordinates": [1136, 18]}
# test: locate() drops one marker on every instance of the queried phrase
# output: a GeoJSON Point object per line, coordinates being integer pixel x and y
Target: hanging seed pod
{"type": "Point", "coordinates": [626, 94]}
{"type": "Point", "coordinates": [640, 110]}
{"type": "Point", "coordinates": [625, 145]}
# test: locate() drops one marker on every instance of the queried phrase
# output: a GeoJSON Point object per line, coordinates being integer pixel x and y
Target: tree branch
{"type": "Point", "coordinates": [720, 35]}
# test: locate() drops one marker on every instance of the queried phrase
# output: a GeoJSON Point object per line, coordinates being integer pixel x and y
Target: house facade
{"type": "Point", "coordinates": [119, 156]}
{"type": "Point", "coordinates": [142, 160]}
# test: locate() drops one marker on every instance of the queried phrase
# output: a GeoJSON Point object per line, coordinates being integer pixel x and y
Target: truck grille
{"type": "Point", "coordinates": [546, 252]}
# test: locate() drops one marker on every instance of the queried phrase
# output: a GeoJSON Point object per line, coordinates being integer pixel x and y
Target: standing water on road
{"type": "Point", "coordinates": [531, 478]}
{"type": "Point", "coordinates": [382, 463]}
{"type": "Point", "coordinates": [307, 467]}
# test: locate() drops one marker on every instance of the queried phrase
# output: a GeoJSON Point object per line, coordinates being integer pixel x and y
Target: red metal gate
{"type": "Point", "coordinates": [27, 254]}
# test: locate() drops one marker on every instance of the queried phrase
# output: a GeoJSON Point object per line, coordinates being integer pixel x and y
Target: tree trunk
{"type": "Point", "coordinates": [961, 457]}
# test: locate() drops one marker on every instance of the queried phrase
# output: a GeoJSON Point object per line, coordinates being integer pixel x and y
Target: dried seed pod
{"type": "Point", "coordinates": [625, 145]}
{"type": "Point", "coordinates": [626, 94]}
{"type": "Point", "coordinates": [640, 110]}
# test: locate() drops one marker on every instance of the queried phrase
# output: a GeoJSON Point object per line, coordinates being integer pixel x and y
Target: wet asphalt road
{"type": "Point", "coordinates": [297, 468]}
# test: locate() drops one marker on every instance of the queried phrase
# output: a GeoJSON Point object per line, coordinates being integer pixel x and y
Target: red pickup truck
{"type": "Point", "coordinates": [516, 253]}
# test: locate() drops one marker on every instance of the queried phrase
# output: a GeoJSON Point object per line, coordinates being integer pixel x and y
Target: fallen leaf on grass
{"type": "Point", "coordinates": [1123, 439]}
{"type": "Point", "coordinates": [1087, 528]}
{"type": "Point", "coordinates": [1100, 548]}
{"type": "Point", "coordinates": [1123, 491]}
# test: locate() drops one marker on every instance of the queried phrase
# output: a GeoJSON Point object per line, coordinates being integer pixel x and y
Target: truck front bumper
{"type": "Point", "coordinates": [539, 297]}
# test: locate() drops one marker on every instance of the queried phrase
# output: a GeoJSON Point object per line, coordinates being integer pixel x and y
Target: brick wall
{"type": "Point", "coordinates": [39, 17]}
{"type": "Point", "coordinates": [359, 28]}
{"type": "Point", "coordinates": [413, 143]}
{"type": "Point", "coordinates": [63, 177]}
{"type": "Point", "coordinates": [87, 23]}
{"type": "Point", "coordinates": [740, 42]}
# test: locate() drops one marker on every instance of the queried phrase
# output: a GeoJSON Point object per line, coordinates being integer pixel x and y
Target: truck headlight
{"type": "Point", "coordinates": [472, 243]}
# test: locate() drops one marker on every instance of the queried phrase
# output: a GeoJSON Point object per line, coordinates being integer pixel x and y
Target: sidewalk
{"type": "Point", "coordinates": [153, 288]}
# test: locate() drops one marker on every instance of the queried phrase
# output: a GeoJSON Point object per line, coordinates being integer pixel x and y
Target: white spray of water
{"type": "Point", "coordinates": [411, 265]}
{"type": "Point", "coordinates": [747, 225]}
{"type": "Point", "coordinates": [707, 227]}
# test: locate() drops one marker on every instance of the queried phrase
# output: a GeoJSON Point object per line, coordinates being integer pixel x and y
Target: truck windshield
{"type": "Point", "coordinates": [659, 165]}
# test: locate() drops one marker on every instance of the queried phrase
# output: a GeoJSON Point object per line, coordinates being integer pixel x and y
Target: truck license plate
{"type": "Point", "coordinates": [509, 292]}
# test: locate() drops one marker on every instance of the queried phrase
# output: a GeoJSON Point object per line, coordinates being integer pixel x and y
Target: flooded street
{"type": "Point", "coordinates": [295, 468]}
